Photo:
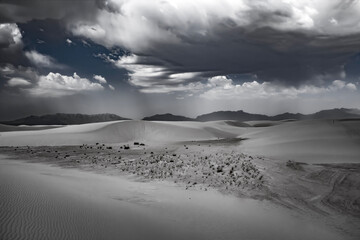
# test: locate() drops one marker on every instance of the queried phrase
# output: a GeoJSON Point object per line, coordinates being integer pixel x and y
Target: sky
{"type": "Point", "coordinates": [137, 58]}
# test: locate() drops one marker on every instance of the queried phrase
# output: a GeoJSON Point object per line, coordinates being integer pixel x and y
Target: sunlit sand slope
{"type": "Point", "coordinates": [43, 202]}
{"type": "Point", "coordinates": [121, 131]}
{"type": "Point", "coordinates": [308, 141]}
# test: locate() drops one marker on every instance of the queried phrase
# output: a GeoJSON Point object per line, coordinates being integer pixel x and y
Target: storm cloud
{"type": "Point", "coordinates": [10, 44]}
{"type": "Point", "coordinates": [176, 42]}
{"type": "Point", "coordinates": [21, 11]}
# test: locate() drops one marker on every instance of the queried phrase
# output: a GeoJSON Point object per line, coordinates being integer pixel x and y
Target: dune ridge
{"type": "Point", "coordinates": [119, 131]}
{"type": "Point", "coordinates": [315, 141]}
{"type": "Point", "coordinates": [312, 141]}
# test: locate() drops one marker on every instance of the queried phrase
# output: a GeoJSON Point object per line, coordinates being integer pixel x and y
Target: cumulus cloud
{"type": "Point", "coordinates": [15, 82]}
{"type": "Point", "coordinates": [28, 80]}
{"type": "Point", "coordinates": [7, 69]}
{"type": "Point", "coordinates": [279, 40]}
{"type": "Point", "coordinates": [339, 84]}
{"type": "Point", "coordinates": [85, 43]}
{"type": "Point", "coordinates": [10, 71]}
{"type": "Point", "coordinates": [41, 60]}
{"type": "Point", "coordinates": [57, 85]}
{"type": "Point", "coordinates": [152, 75]}
{"type": "Point", "coordinates": [69, 42]}
{"type": "Point", "coordinates": [10, 35]}
{"type": "Point", "coordinates": [221, 87]}
{"type": "Point", "coordinates": [111, 87]}
{"type": "Point", "coordinates": [351, 86]}
{"type": "Point", "coordinates": [193, 87]}
{"type": "Point", "coordinates": [100, 78]}
{"type": "Point", "coordinates": [10, 43]}
{"type": "Point", "coordinates": [51, 85]}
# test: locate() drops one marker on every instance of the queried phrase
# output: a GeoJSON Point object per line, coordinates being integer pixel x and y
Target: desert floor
{"type": "Point", "coordinates": [176, 180]}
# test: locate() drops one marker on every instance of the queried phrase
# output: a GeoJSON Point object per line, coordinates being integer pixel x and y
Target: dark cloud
{"type": "Point", "coordinates": [11, 44]}
{"type": "Point", "coordinates": [176, 46]}
{"type": "Point", "coordinates": [23, 10]}
{"type": "Point", "coordinates": [283, 41]}
{"type": "Point", "coordinates": [9, 71]}
{"type": "Point", "coordinates": [288, 57]}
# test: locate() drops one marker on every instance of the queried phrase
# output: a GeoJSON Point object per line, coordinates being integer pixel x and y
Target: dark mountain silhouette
{"type": "Point", "coordinates": [167, 117]}
{"type": "Point", "coordinates": [64, 119]}
{"type": "Point", "coordinates": [287, 115]}
{"type": "Point", "coordinates": [68, 119]}
{"type": "Point", "coordinates": [336, 113]}
{"type": "Point", "coordinates": [232, 115]}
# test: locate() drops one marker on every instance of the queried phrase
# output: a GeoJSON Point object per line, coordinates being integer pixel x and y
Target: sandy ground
{"type": "Point", "coordinates": [45, 202]}
{"type": "Point", "coordinates": [8, 128]}
{"type": "Point", "coordinates": [311, 141]}
{"type": "Point", "coordinates": [261, 161]}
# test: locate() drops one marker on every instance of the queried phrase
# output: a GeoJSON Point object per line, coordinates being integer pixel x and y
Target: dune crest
{"type": "Point", "coordinates": [120, 131]}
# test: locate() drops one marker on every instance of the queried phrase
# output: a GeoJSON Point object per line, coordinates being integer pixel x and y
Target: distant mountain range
{"type": "Point", "coordinates": [69, 119]}
{"type": "Point", "coordinates": [337, 113]}
{"type": "Point", "coordinates": [64, 119]}
{"type": "Point", "coordinates": [231, 115]}
{"type": "Point", "coordinates": [167, 117]}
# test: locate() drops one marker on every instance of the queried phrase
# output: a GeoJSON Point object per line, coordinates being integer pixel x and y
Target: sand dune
{"type": "Point", "coordinates": [120, 131]}
{"type": "Point", "coordinates": [43, 202]}
{"type": "Point", "coordinates": [9, 128]}
{"type": "Point", "coordinates": [315, 141]}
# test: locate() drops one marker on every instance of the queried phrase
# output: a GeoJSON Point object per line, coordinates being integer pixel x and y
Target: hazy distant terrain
{"type": "Point", "coordinates": [337, 113]}
{"type": "Point", "coordinates": [64, 119]}
{"type": "Point", "coordinates": [167, 117]}
{"type": "Point", "coordinates": [70, 119]}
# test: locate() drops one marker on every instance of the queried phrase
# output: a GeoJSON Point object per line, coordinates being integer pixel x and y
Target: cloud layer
{"type": "Point", "coordinates": [100, 79]}
{"type": "Point", "coordinates": [27, 80]}
{"type": "Point", "coordinates": [23, 11]}
{"type": "Point", "coordinates": [41, 60]}
{"type": "Point", "coordinates": [9, 35]}
{"type": "Point", "coordinates": [10, 43]}
{"type": "Point", "coordinates": [55, 85]}
{"type": "Point", "coordinates": [221, 87]}
{"type": "Point", "coordinates": [177, 41]}
{"type": "Point", "coordinates": [14, 82]}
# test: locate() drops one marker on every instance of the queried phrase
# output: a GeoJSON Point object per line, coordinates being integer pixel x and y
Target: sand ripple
{"type": "Point", "coordinates": [69, 204]}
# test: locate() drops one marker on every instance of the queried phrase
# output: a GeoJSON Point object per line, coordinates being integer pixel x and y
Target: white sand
{"type": "Point", "coordinates": [9, 128]}
{"type": "Point", "coordinates": [43, 202]}
{"type": "Point", "coordinates": [311, 141]}
{"type": "Point", "coordinates": [120, 131]}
